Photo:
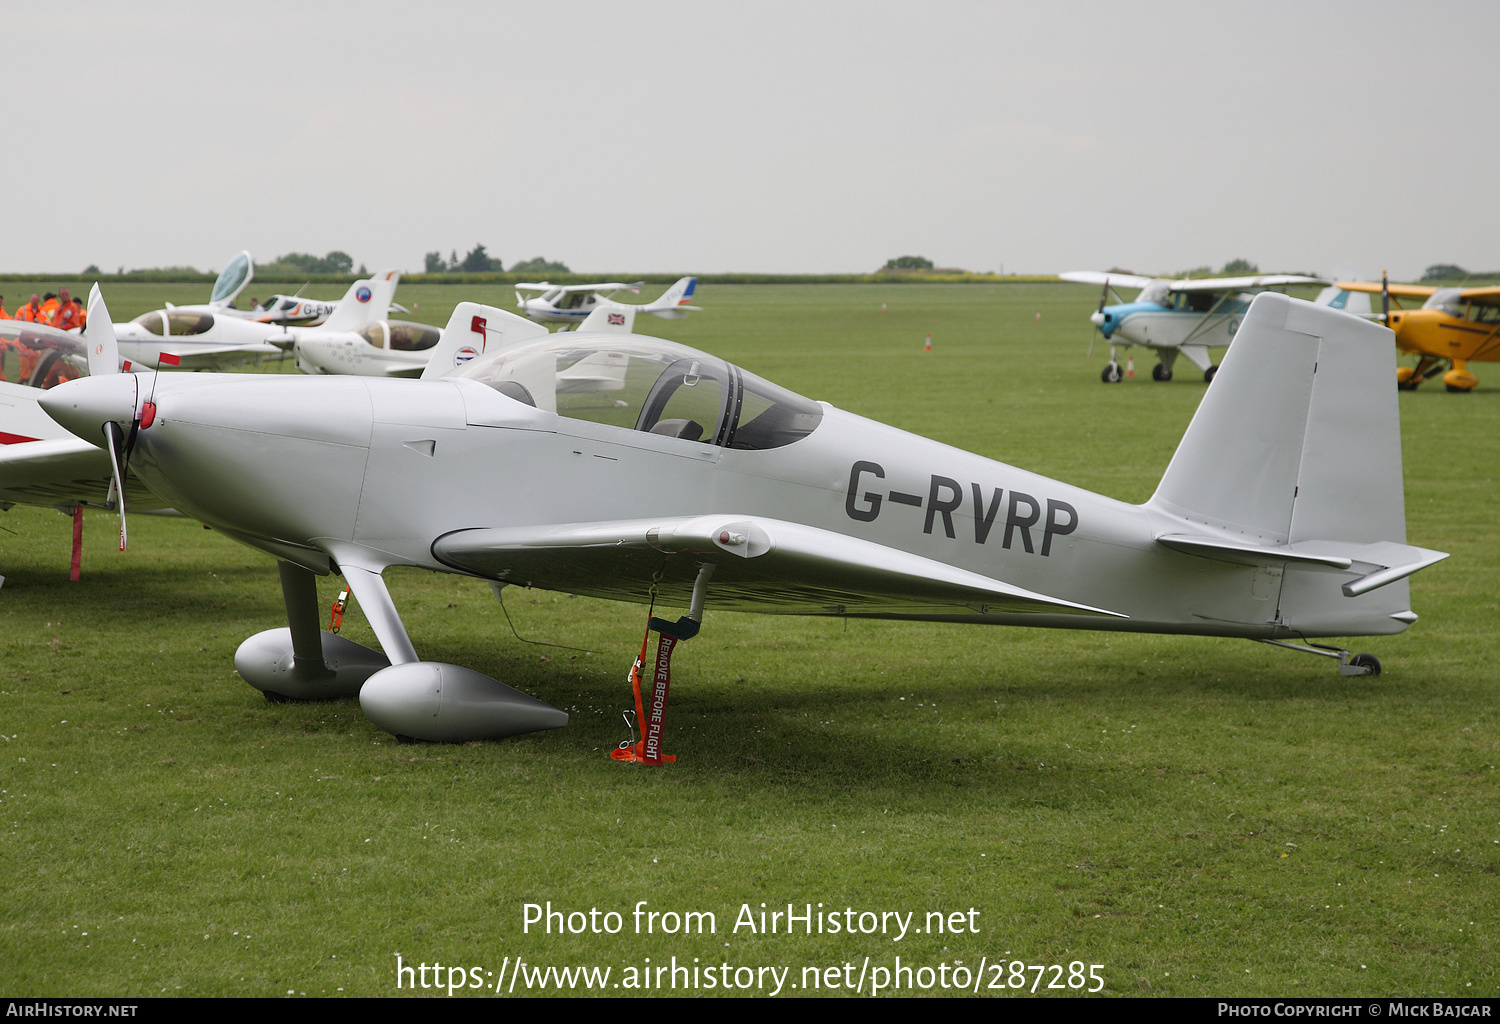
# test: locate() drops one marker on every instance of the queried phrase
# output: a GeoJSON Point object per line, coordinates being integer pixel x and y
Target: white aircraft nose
{"type": "Point", "coordinates": [1096, 318]}
{"type": "Point", "coordinates": [84, 405]}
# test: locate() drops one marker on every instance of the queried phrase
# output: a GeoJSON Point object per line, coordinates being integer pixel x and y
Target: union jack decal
{"type": "Point", "coordinates": [618, 319]}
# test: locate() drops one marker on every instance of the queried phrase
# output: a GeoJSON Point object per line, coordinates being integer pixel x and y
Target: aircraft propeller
{"type": "Point", "coordinates": [104, 359]}
{"type": "Point", "coordinates": [1385, 298]}
{"type": "Point", "coordinates": [1098, 318]}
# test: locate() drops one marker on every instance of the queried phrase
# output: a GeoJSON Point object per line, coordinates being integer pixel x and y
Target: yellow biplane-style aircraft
{"type": "Point", "coordinates": [1453, 325]}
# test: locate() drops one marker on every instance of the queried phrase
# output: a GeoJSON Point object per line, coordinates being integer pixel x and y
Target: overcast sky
{"type": "Point", "coordinates": [766, 136]}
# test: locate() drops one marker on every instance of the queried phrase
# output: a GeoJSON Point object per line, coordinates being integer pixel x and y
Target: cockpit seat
{"type": "Point", "coordinates": [688, 430]}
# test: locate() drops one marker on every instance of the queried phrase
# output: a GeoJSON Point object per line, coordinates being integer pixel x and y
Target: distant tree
{"type": "Point", "coordinates": [1196, 272]}
{"type": "Point", "coordinates": [478, 262]}
{"type": "Point", "coordinates": [1444, 272]}
{"type": "Point", "coordinates": [335, 262]}
{"type": "Point", "coordinates": [1239, 267]}
{"type": "Point", "coordinates": [362, 272]}
{"type": "Point", "coordinates": [433, 261]}
{"type": "Point", "coordinates": [908, 263]}
{"type": "Point", "coordinates": [92, 268]}
{"type": "Point", "coordinates": [540, 265]}
{"type": "Point", "coordinates": [452, 259]}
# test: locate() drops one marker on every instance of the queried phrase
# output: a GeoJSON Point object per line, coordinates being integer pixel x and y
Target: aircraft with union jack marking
{"type": "Point", "coordinates": [572, 303]}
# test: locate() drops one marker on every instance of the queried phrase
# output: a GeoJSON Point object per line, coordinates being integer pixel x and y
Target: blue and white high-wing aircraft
{"type": "Point", "coordinates": [1186, 317]}
{"type": "Point", "coordinates": [572, 303]}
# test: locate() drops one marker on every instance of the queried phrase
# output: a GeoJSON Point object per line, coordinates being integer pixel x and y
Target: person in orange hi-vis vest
{"type": "Point", "coordinates": [66, 316]}
{"type": "Point", "coordinates": [49, 306]}
{"type": "Point", "coordinates": [3, 314]}
{"type": "Point", "coordinates": [32, 311]}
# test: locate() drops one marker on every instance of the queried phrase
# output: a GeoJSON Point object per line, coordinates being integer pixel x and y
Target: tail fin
{"type": "Point", "coordinates": [366, 301]}
{"type": "Point", "coordinates": [473, 330]}
{"type": "Point", "coordinates": [1293, 460]}
{"type": "Point", "coordinates": [1298, 436]}
{"type": "Point", "coordinates": [675, 301]}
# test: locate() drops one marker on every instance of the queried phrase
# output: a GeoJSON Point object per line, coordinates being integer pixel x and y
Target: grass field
{"type": "Point", "coordinates": [1199, 816]}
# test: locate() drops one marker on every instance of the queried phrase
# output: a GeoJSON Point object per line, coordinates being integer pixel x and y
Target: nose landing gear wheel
{"type": "Point", "coordinates": [1111, 374]}
{"type": "Point", "coordinates": [1160, 372]}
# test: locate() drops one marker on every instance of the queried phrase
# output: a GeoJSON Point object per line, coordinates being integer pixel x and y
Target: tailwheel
{"type": "Point", "coordinates": [1368, 662]}
{"type": "Point", "coordinates": [1208, 374]}
{"type": "Point", "coordinates": [1160, 372]}
{"type": "Point", "coordinates": [1111, 374]}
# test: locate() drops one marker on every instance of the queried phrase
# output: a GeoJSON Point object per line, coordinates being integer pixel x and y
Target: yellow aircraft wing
{"type": "Point", "coordinates": [1489, 295]}
{"type": "Point", "coordinates": [1373, 287]}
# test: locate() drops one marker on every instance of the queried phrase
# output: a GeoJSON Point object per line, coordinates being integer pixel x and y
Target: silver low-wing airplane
{"type": "Point", "coordinates": [572, 303]}
{"type": "Point", "coordinates": [618, 465]}
{"type": "Point", "coordinates": [1172, 318]}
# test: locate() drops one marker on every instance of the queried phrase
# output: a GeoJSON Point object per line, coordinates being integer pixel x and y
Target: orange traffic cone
{"type": "Point", "coordinates": [882, 307]}
{"type": "Point", "coordinates": [928, 347]}
{"type": "Point", "coordinates": [1130, 366]}
{"type": "Point", "coordinates": [1039, 314]}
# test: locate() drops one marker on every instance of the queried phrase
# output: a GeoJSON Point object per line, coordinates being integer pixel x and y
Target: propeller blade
{"type": "Point", "coordinates": [1092, 337]}
{"type": "Point", "coordinates": [1385, 298]}
{"type": "Point", "coordinates": [104, 350]}
{"type": "Point", "coordinates": [116, 438]}
{"type": "Point", "coordinates": [1104, 295]}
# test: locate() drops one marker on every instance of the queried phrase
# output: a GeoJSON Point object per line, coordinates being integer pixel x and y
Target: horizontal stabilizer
{"type": "Point", "coordinates": [764, 565]}
{"type": "Point", "coordinates": [1371, 566]}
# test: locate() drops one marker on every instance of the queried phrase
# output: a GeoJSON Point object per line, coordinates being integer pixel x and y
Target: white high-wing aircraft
{"type": "Point", "coordinates": [627, 467]}
{"type": "Point", "coordinates": [1175, 317]}
{"type": "Point", "coordinates": [287, 310]}
{"type": "Point", "coordinates": [572, 303]}
{"type": "Point", "coordinates": [201, 340]}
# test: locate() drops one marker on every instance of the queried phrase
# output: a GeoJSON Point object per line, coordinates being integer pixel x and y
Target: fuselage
{"type": "Point", "coordinates": [1161, 326]}
{"type": "Point", "coordinates": [304, 468]}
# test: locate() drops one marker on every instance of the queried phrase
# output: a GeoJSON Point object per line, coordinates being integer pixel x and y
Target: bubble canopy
{"type": "Point", "coordinates": [647, 384]}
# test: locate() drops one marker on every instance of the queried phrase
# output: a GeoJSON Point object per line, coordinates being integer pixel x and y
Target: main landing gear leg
{"type": "Point", "coordinates": [302, 661]}
{"type": "Point", "coordinates": [1358, 665]}
{"type": "Point", "coordinates": [434, 701]}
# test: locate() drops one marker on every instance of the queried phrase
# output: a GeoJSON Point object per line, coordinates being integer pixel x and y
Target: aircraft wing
{"type": "Point", "coordinates": [1486, 296]}
{"type": "Point", "coordinates": [613, 286]}
{"type": "Point", "coordinates": [1100, 277]}
{"type": "Point", "coordinates": [43, 464]}
{"type": "Point", "coordinates": [764, 565]}
{"type": "Point", "coordinates": [1241, 284]}
{"type": "Point", "coordinates": [1419, 291]}
{"type": "Point", "coordinates": [207, 357]}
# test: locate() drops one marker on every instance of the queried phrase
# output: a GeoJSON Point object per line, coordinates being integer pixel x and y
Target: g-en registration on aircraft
{"type": "Point", "coordinates": [1172, 318]}
{"type": "Point", "coordinates": [1280, 517]}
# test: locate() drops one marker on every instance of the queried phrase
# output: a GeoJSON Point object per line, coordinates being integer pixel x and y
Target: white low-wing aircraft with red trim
{"type": "Point", "coordinates": [621, 466]}
{"type": "Point", "coordinates": [197, 339]}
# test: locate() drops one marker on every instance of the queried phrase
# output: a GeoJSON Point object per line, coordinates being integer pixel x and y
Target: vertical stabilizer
{"type": "Point", "coordinates": [366, 301]}
{"type": "Point", "coordinates": [1298, 436]}
{"type": "Point", "coordinates": [474, 330]}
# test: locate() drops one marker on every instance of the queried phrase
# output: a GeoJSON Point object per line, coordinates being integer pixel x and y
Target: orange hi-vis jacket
{"type": "Point", "coordinates": [30, 314]}
{"type": "Point", "coordinates": [65, 318]}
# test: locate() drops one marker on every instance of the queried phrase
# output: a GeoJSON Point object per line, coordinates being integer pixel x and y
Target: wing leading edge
{"type": "Point", "coordinates": [764, 565]}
